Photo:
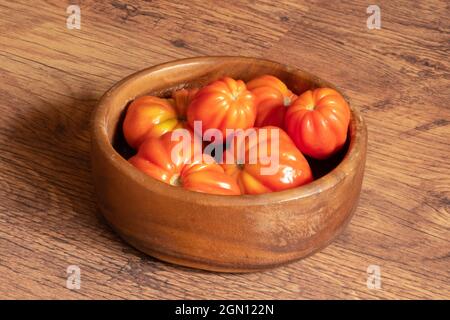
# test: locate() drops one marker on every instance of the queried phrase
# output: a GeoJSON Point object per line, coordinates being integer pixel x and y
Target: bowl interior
{"type": "Point", "coordinates": [319, 167]}
{"type": "Point", "coordinates": [161, 80]}
{"type": "Point", "coordinates": [295, 83]}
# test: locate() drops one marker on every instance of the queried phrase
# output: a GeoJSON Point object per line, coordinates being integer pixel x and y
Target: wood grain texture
{"type": "Point", "coordinates": [51, 78]}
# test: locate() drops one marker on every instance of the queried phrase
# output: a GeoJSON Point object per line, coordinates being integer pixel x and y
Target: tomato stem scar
{"type": "Point", "coordinates": [175, 180]}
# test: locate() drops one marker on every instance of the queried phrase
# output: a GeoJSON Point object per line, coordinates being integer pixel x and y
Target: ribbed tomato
{"type": "Point", "coordinates": [268, 162]}
{"type": "Point", "coordinates": [158, 158]}
{"type": "Point", "coordinates": [150, 116]}
{"type": "Point", "coordinates": [182, 98]}
{"type": "Point", "coordinates": [272, 98]}
{"type": "Point", "coordinates": [223, 104]}
{"type": "Point", "coordinates": [318, 121]}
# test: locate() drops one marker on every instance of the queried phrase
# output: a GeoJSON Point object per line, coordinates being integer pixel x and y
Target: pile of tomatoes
{"type": "Point", "coordinates": [314, 123]}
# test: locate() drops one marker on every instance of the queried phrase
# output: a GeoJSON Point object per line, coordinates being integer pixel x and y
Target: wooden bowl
{"type": "Point", "coordinates": [212, 232]}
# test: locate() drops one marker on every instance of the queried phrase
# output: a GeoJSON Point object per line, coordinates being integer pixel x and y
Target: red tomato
{"type": "Point", "coordinates": [272, 98]}
{"type": "Point", "coordinates": [318, 121]}
{"type": "Point", "coordinates": [287, 169]}
{"type": "Point", "coordinates": [150, 116]}
{"type": "Point", "coordinates": [223, 104]}
{"type": "Point", "coordinates": [158, 158]}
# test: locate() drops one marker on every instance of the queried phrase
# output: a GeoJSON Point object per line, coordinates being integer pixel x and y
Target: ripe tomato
{"type": "Point", "coordinates": [272, 98]}
{"type": "Point", "coordinates": [182, 99]}
{"type": "Point", "coordinates": [158, 158]}
{"type": "Point", "coordinates": [150, 116]}
{"type": "Point", "coordinates": [268, 162]}
{"type": "Point", "coordinates": [318, 121]}
{"type": "Point", "coordinates": [223, 104]}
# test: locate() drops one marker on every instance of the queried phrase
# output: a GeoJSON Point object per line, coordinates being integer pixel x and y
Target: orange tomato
{"type": "Point", "coordinates": [318, 121]}
{"type": "Point", "coordinates": [182, 99]}
{"type": "Point", "coordinates": [150, 116]}
{"type": "Point", "coordinates": [158, 158]}
{"type": "Point", "coordinates": [223, 104]}
{"type": "Point", "coordinates": [267, 162]}
{"type": "Point", "coordinates": [272, 98]}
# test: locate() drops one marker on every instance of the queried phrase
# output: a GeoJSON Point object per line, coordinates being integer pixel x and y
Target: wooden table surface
{"type": "Point", "coordinates": [51, 78]}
